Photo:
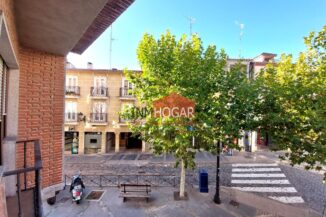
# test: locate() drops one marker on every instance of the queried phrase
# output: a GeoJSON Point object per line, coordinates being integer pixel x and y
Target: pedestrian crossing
{"type": "Point", "coordinates": [264, 178]}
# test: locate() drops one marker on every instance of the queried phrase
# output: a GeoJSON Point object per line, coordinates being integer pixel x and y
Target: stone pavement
{"type": "Point", "coordinates": [305, 184]}
{"type": "Point", "coordinates": [162, 204]}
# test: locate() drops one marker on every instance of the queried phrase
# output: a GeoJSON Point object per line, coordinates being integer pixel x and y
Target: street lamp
{"type": "Point", "coordinates": [217, 199]}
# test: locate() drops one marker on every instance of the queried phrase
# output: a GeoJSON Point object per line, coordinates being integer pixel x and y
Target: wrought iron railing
{"type": "Point", "coordinates": [73, 90]}
{"type": "Point", "coordinates": [115, 180]}
{"type": "Point", "coordinates": [98, 117]}
{"type": "Point", "coordinates": [71, 117]}
{"type": "Point", "coordinates": [99, 92]}
{"type": "Point", "coordinates": [35, 184]}
{"type": "Point", "coordinates": [123, 120]}
{"type": "Point", "coordinates": [126, 92]}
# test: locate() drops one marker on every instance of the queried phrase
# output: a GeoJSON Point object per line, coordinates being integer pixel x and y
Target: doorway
{"type": "Point", "coordinates": [130, 141]}
{"type": "Point", "coordinates": [69, 140]}
{"type": "Point", "coordinates": [110, 141]}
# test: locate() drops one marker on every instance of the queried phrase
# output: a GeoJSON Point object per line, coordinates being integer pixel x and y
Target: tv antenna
{"type": "Point", "coordinates": [110, 50]}
{"type": "Point", "coordinates": [191, 20]}
{"type": "Point", "coordinates": [241, 26]}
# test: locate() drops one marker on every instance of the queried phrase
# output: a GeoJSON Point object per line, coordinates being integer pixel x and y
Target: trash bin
{"type": "Point", "coordinates": [203, 181]}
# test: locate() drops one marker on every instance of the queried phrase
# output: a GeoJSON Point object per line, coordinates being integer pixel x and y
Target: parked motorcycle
{"type": "Point", "coordinates": [76, 188]}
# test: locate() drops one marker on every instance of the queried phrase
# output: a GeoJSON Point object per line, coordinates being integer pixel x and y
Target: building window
{"type": "Point", "coordinates": [100, 87]}
{"type": "Point", "coordinates": [72, 87]}
{"type": "Point", "coordinates": [93, 141]}
{"type": "Point", "coordinates": [71, 112]}
{"type": "Point", "coordinates": [99, 112]}
{"type": "Point", "coordinates": [126, 89]}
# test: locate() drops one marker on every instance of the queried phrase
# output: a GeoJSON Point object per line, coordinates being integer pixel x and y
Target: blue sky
{"type": "Point", "coordinates": [275, 26]}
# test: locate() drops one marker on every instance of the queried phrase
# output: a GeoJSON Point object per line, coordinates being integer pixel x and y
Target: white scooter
{"type": "Point", "coordinates": [76, 188]}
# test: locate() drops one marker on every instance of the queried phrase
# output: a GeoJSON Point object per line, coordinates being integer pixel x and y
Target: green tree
{"type": "Point", "coordinates": [292, 103]}
{"type": "Point", "coordinates": [183, 66]}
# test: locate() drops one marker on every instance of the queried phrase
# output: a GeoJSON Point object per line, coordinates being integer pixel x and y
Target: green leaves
{"type": "Point", "coordinates": [294, 101]}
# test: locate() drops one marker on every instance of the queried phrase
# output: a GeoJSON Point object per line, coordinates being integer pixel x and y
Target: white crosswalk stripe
{"type": "Point", "coordinates": [267, 189]}
{"type": "Point", "coordinates": [260, 181]}
{"type": "Point", "coordinates": [265, 175]}
{"type": "Point", "coordinates": [256, 170]}
{"type": "Point", "coordinates": [266, 179]}
{"type": "Point", "coordinates": [255, 165]}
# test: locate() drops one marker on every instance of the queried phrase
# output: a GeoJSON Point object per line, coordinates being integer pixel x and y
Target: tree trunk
{"type": "Point", "coordinates": [182, 179]}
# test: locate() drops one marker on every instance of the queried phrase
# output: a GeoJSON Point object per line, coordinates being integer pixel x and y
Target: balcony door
{"type": "Point", "coordinates": [100, 86]}
{"type": "Point", "coordinates": [71, 111]}
{"type": "Point", "coordinates": [126, 87]}
{"type": "Point", "coordinates": [125, 107]}
{"type": "Point", "coordinates": [99, 111]}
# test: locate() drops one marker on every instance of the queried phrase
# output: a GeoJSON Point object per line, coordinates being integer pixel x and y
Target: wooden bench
{"type": "Point", "coordinates": [135, 191]}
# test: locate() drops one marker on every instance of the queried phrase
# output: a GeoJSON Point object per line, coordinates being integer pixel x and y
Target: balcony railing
{"type": "Point", "coordinates": [72, 90]}
{"type": "Point", "coordinates": [98, 117]}
{"type": "Point", "coordinates": [99, 92]}
{"type": "Point", "coordinates": [71, 117]}
{"type": "Point", "coordinates": [31, 150]}
{"type": "Point", "coordinates": [123, 120]}
{"type": "Point", "coordinates": [126, 92]}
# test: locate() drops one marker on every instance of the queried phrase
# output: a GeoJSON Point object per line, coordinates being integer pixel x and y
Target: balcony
{"type": "Point", "coordinates": [71, 118]}
{"type": "Point", "coordinates": [126, 93]}
{"type": "Point", "coordinates": [28, 200]}
{"type": "Point", "coordinates": [72, 92]}
{"type": "Point", "coordinates": [99, 92]}
{"type": "Point", "coordinates": [98, 118]}
{"type": "Point", "coordinates": [123, 121]}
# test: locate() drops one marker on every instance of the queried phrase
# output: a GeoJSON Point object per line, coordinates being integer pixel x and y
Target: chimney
{"type": "Point", "coordinates": [89, 65]}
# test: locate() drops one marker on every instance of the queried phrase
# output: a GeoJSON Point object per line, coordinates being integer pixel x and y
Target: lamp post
{"type": "Point", "coordinates": [217, 199]}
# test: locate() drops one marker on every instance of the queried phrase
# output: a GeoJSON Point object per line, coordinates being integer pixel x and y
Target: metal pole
{"type": "Point", "coordinates": [18, 195]}
{"type": "Point", "coordinates": [217, 199]}
{"type": "Point", "coordinates": [25, 165]}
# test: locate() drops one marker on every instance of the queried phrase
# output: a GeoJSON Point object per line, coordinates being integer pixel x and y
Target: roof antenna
{"type": "Point", "coordinates": [191, 20]}
{"type": "Point", "coordinates": [111, 40]}
{"type": "Point", "coordinates": [241, 26]}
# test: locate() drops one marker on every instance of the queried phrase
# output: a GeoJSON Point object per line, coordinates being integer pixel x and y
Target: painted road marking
{"type": "Point", "coordinates": [256, 175]}
{"type": "Point", "coordinates": [256, 170]}
{"type": "Point", "coordinates": [268, 189]}
{"type": "Point", "coordinates": [255, 165]}
{"type": "Point", "coordinates": [294, 199]}
{"type": "Point", "coordinates": [261, 181]}
{"type": "Point", "coordinates": [243, 176]}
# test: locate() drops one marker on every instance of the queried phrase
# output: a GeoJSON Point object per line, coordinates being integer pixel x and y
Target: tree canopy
{"type": "Point", "coordinates": [292, 103]}
{"type": "Point", "coordinates": [222, 98]}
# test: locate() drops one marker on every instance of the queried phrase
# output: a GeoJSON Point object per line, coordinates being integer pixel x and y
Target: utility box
{"type": "Point", "coordinates": [203, 181]}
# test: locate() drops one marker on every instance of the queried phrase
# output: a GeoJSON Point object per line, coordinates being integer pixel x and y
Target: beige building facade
{"type": "Point", "coordinates": [93, 101]}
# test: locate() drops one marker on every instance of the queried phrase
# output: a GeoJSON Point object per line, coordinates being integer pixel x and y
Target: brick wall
{"type": "Point", "coordinates": [41, 108]}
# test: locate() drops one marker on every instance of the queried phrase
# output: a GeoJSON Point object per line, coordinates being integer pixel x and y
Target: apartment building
{"type": "Point", "coordinates": [254, 65]}
{"type": "Point", "coordinates": [93, 100]}
{"type": "Point", "coordinates": [253, 140]}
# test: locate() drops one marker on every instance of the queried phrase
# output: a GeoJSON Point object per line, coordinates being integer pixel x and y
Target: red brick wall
{"type": "Point", "coordinates": [41, 108]}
